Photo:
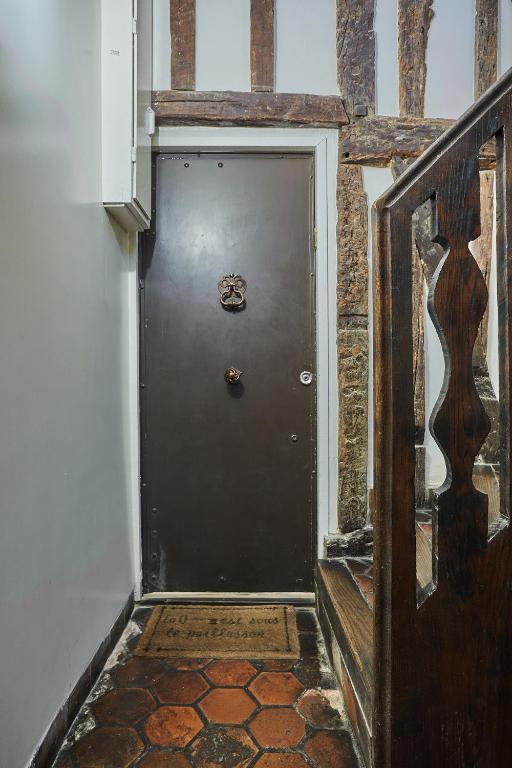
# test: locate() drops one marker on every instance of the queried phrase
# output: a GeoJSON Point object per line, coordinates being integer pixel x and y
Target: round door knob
{"type": "Point", "coordinates": [232, 375]}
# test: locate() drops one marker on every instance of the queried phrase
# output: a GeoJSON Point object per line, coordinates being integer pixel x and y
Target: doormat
{"type": "Point", "coordinates": [221, 632]}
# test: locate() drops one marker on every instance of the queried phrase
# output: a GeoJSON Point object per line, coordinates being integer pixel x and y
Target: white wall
{"type": "Point", "coordinates": [505, 39]}
{"type": "Point", "coordinates": [161, 46]}
{"type": "Point", "coordinates": [222, 45]}
{"type": "Point", "coordinates": [66, 562]}
{"type": "Point", "coordinates": [306, 46]}
{"type": "Point", "coordinates": [450, 59]}
{"type": "Point", "coordinates": [386, 57]}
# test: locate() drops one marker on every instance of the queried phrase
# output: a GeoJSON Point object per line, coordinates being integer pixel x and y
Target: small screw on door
{"type": "Point", "coordinates": [294, 438]}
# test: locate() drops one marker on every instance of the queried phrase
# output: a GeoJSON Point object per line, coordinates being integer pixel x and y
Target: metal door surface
{"type": "Point", "coordinates": [228, 468]}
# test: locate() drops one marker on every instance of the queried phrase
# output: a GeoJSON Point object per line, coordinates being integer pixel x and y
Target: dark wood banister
{"type": "Point", "coordinates": [445, 141]}
{"type": "Point", "coordinates": [443, 668]}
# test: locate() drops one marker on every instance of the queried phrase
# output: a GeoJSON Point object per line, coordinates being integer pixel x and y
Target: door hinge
{"type": "Point", "coordinates": [134, 26]}
{"type": "Point", "coordinates": [315, 238]}
{"type": "Point", "coordinates": [134, 154]}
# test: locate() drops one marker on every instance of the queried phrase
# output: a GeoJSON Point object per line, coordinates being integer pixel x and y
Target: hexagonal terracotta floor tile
{"type": "Point", "coordinates": [109, 748]}
{"type": "Point", "coordinates": [173, 726]}
{"type": "Point", "coordinates": [228, 747]}
{"type": "Point", "coordinates": [276, 688]}
{"type": "Point", "coordinates": [317, 710]}
{"type": "Point", "coordinates": [230, 673]}
{"type": "Point", "coordinates": [139, 672]}
{"type": "Point", "coordinates": [124, 706]}
{"type": "Point", "coordinates": [164, 760]}
{"type": "Point", "coordinates": [331, 749]}
{"type": "Point", "coordinates": [230, 706]}
{"type": "Point", "coordinates": [278, 728]}
{"type": "Point", "coordinates": [181, 687]}
{"type": "Point", "coordinates": [281, 760]}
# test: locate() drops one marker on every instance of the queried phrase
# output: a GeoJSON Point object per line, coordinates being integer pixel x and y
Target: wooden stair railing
{"type": "Point", "coordinates": [421, 638]}
{"type": "Point", "coordinates": [442, 670]}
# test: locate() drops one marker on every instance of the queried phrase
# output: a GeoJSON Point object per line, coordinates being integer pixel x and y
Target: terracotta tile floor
{"type": "Point", "coordinates": [170, 713]}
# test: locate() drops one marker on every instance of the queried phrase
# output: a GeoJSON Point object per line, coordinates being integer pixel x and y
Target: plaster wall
{"type": "Point", "coordinates": [306, 47]}
{"type": "Point", "coordinates": [505, 37]}
{"type": "Point", "coordinates": [450, 58]}
{"type": "Point", "coordinates": [222, 50]}
{"type": "Point", "coordinates": [66, 562]}
{"type": "Point", "coordinates": [386, 57]}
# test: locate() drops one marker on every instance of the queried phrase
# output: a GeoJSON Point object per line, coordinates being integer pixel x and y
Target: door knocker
{"type": "Point", "coordinates": [232, 290]}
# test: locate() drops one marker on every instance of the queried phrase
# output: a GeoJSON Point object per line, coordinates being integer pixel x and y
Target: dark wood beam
{"type": "Point", "coordinates": [414, 17]}
{"type": "Point", "coordinates": [486, 45]}
{"type": "Point", "coordinates": [375, 140]}
{"type": "Point", "coordinates": [486, 72]}
{"type": "Point", "coordinates": [352, 340]}
{"type": "Point", "coordinates": [183, 44]}
{"type": "Point", "coordinates": [233, 108]}
{"type": "Point", "coordinates": [380, 140]}
{"type": "Point", "coordinates": [355, 45]}
{"type": "Point", "coordinates": [262, 45]}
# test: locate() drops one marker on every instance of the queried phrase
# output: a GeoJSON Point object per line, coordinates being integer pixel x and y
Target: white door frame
{"type": "Point", "coordinates": [323, 143]}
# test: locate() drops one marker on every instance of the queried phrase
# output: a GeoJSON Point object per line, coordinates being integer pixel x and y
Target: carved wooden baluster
{"type": "Point", "coordinates": [457, 303]}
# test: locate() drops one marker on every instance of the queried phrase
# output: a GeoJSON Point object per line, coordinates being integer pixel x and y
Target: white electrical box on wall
{"type": "Point", "coordinates": [127, 117]}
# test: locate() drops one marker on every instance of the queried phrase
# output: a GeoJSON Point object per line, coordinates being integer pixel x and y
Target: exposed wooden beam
{"type": "Point", "coordinates": [481, 249]}
{"type": "Point", "coordinates": [379, 140]}
{"type": "Point", "coordinates": [414, 17]}
{"type": "Point", "coordinates": [355, 45]}
{"type": "Point", "coordinates": [183, 44]}
{"type": "Point", "coordinates": [262, 45]}
{"type": "Point", "coordinates": [352, 305]}
{"type": "Point", "coordinates": [486, 45]}
{"type": "Point", "coordinates": [355, 48]}
{"type": "Point", "coordinates": [233, 108]}
{"type": "Point", "coordinates": [398, 165]}
{"type": "Point", "coordinates": [486, 68]}
{"type": "Point", "coordinates": [376, 140]}
{"type": "Point", "coordinates": [352, 237]}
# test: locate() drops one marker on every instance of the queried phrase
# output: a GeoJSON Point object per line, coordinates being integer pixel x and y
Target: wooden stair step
{"type": "Point", "coordinates": [347, 619]}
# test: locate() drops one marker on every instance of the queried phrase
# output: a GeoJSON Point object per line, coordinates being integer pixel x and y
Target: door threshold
{"type": "Point", "coordinates": [238, 598]}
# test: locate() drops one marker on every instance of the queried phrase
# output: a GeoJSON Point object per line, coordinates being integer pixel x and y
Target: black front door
{"type": "Point", "coordinates": [228, 465]}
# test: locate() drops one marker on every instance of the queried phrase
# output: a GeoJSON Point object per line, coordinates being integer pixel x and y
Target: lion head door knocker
{"type": "Point", "coordinates": [232, 290]}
